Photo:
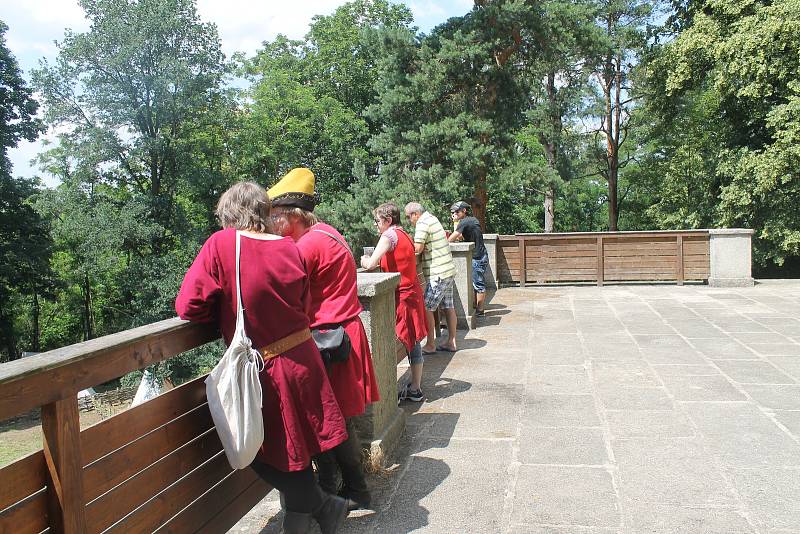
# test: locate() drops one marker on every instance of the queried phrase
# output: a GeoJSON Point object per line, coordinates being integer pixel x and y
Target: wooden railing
{"type": "Point", "coordinates": [603, 257]}
{"type": "Point", "coordinates": [158, 467]}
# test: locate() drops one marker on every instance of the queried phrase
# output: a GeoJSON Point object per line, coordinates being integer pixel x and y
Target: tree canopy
{"type": "Point", "coordinates": [544, 115]}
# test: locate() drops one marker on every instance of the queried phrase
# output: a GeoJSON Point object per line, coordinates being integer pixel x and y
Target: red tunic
{"type": "Point", "coordinates": [411, 325]}
{"type": "Point", "coordinates": [334, 300]}
{"type": "Point", "coordinates": [301, 415]}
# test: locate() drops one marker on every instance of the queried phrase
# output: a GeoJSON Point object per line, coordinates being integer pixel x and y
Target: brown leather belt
{"type": "Point", "coordinates": [284, 344]}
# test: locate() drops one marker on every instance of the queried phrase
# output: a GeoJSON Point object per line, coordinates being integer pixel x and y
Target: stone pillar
{"type": "Point", "coordinates": [490, 242]}
{"type": "Point", "coordinates": [463, 294]}
{"type": "Point", "coordinates": [730, 257]}
{"type": "Point", "coordinates": [383, 423]}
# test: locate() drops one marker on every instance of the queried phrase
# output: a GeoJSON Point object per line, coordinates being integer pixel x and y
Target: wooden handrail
{"type": "Point", "coordinates": [594, 235]}
{"type": "Point", "coordinates": [52, 380]}
{"type": "Point", "coordinates": [157, 466]}
{"type": "Point", "coordinates": [38, 380]}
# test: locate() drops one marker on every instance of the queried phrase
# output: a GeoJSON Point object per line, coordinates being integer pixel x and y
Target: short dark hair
{"type": "Point", "coordinates": [388, 210]}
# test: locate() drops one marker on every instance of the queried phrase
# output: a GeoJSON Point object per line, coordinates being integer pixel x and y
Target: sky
{"type": "Point", "coordinates": [35, 25]}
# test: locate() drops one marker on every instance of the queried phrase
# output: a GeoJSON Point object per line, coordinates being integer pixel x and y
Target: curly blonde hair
{"type": "Point", "coordinates": [308, 218]}
{"type": "Point", "coordinates": [245, 206]}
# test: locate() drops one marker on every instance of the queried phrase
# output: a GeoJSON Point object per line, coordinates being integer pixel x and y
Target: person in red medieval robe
{"type": "Point", "coordinates": [301, 415]}
{"type": "Point", "coordinates": [334, 302]}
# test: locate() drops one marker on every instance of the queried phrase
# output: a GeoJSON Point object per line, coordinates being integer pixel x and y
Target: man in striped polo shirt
{"type": "Point", "coordinates": [436, 261]}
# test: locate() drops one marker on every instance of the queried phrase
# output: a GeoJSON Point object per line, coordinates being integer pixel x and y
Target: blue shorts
{"type": "Point", "coordinates": [479, 273]}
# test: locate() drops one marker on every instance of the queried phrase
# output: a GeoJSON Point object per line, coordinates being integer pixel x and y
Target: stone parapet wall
{"type": "Point", "coordinates": [463, 294]}
{"type": "Point", "coordinates": [382, 425]}
{"type": "Point", "coordinates": [490, 242]}
{"type": "Point", "coordinates": [731, 257]}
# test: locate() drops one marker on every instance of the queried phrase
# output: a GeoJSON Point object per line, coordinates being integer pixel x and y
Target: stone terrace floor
{"type": "Point", "coordinates": [635, 408]}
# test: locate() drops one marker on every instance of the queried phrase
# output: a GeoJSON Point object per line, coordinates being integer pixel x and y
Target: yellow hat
{"type": "Point", "coordinates": [295, 189]}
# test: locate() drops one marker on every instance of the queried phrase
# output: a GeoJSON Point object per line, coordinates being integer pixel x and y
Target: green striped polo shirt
{"type": "Point", "coordinates": [437, 261]}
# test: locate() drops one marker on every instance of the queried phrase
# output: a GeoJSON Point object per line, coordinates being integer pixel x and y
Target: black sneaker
{"type": "Point", "coordinates": [410, 394]}
{"type": "Point", "coordinates": [480, 313]}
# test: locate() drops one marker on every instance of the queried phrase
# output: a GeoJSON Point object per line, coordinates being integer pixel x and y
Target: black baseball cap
{"type": "Point", "coordinates": [458, 206]}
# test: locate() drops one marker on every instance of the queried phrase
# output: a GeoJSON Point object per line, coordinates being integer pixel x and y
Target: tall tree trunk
{"type": "Point", "coordinates": [549, 208]}
{"type": "Point", "coordinates": [613, 211]}
{"type": "Point", "coordinates": [35, 312]}
{"type": "Point", "coordinates": [551, 150]}
{"type": "Point", "coordinates": [613, 214]}
{"type": "Point", "coordinates": [611, 81]}
{"type": "Point", "coordinates": [550, 155]}
{"type": "Point", "coordinates": [501, 57]}
{"type": "Point", "coordinates": [9, 340]}
{"type": "Point", "coordinates": [88, 314]}
{"type": "Point", "coordinates": [481, 197]}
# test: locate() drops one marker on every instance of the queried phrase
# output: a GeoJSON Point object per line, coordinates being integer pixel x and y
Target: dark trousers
{"type": "Point", "coordinates": [299, 488]}
{"type": "Point", "coordinates": [345, 457]}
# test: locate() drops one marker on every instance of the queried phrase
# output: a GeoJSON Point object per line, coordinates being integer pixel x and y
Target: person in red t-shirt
{"type": "Point", "coordinates": [334, 301]}
{"type": "Point", "coordinates": [395, 254]}
{"type": "Point", "coordinates": [301, 417]}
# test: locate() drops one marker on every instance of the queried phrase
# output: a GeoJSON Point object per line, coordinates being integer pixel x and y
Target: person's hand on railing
{"type": "Point", "coordinates": [365, 264]}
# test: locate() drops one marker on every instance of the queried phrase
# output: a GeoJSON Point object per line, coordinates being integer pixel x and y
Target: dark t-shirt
{"type": "Point", "coordinates": [470, 228]}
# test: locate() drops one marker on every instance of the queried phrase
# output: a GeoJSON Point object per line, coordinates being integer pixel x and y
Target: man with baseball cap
{"type": "Point", "coordinates": [469, 228]}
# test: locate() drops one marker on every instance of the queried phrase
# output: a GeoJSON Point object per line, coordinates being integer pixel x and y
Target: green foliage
{"type": "Point", "coordinates": [728, 84]}
{"type": "Point", "coordinates": [128, 91]}
{"type": "Point", "coordinates": [17, 106]}
{"type": "Point", "coordinates": [449, 104]}
{"type": "Point", "coordinates": [24, 239]}
{"type": "Point", "coordinates": [306, 105]}
{"type": "Point", "coordinates": [509, 103]}
{"type": "Point", "coordinates": [559, 51]}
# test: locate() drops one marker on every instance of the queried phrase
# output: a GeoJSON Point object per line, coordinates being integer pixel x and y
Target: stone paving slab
{"type": "Point", "coordinates": [648, 424]}
{"type": "Point", "coordinates": [565, 495]}
{"type": "Point", "coordinates": [622, 409]}
{"type": "Point", "coordinates": [672, 519]}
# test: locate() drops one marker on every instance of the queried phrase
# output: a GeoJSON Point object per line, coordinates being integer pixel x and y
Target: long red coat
{"type": "Point", "coordinates": [410, 322]}
{"type": "Point", "coordinates": [334, 300]}
{"type": "Point", "coordinates": [301, 415]}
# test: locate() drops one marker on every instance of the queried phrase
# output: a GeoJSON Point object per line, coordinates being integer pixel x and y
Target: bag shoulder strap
{"type": "Point", "coordinates": [239, 305]}
{"type": "Point", "coordinates": [332, 236]}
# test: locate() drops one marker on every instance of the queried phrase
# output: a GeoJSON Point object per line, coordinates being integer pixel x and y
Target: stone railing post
{"type": "Point", "coordinates": [730, 257]}
{"type": "Point", "coordinates": [382, 424]}
{"type": "Point", "coordinates": [463, 294]}
{"type": "Point", "coordinates": [490, 242]}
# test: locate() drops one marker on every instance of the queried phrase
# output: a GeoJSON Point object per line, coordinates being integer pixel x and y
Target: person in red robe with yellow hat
{"type": "Point", "coordinates": [334, 301]}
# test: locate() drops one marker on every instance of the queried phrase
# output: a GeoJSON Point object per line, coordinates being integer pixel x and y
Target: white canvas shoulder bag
{"type": "Point", "coordinates": [234, 391]}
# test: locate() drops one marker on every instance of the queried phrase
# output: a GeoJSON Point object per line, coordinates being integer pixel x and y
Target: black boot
{"type": "Point", "coordinates": [355, 500]}
{"type": "Point", "coordinates": [327, 472]}
{"type": "Point", "coordinates": [348, 456]}
{"type": "Point", "coordinates": [296, 523]}
{"type": "Point", "coordinates": [331, 513]}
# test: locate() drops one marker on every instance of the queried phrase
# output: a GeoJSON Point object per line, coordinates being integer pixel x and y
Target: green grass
{"type": "Point", "coordinates": [19, 439]}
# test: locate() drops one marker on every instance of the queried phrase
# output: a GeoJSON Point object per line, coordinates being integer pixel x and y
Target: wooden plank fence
{"type": "Point", "coordinates": [603, 257]}
{"type": "Point", "coordinates": [158, 467]}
